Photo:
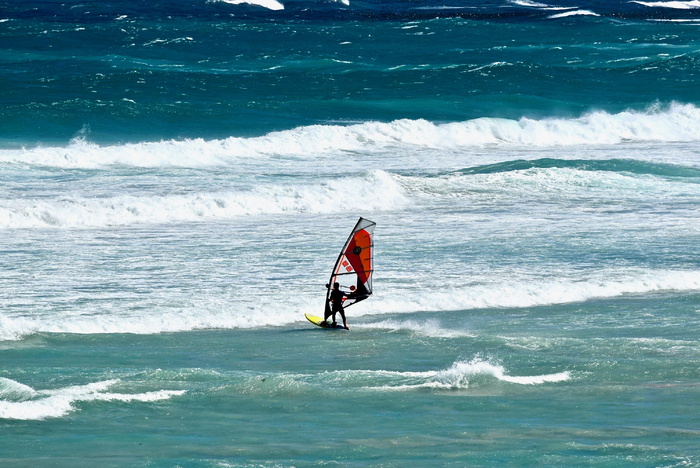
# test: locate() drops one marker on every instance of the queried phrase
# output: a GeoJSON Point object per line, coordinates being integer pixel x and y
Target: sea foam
{"type": "Point", "coordinates": [206, 312]}
{"type": "Point", "coordinates": [676, 5]}
{"type": "Point", "coordinates": [18, 401]}
{"type": "Point", "coordinates": [574, 13]}
{"type": "Point", "coordinates": [430, 327]}
{"type": "Point", "coordinates": [477, 373]}
{"type": "Point", "coordinates": [674, 123]}
{"type": "Point", "coordinates": [269, 4]}
{"type": "Point", "coordinates": [509, 294]}
{"type": "Point", "coordinates": [461, 375]}
{"type": "Point", "coordinates": [350, 193]}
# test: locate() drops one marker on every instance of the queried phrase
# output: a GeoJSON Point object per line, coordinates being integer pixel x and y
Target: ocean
{"type": "Point", "coordinates": [177, 179]}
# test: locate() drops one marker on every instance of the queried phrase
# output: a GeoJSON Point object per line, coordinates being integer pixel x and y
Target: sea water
{"type": "Point", "coordinates": [177, 178]}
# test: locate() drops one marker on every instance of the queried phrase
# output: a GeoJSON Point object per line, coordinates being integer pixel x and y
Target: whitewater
{"type": "Point", "coordinates": [497, 261]}
{"type": "Point", "coordinates": [177, 178]}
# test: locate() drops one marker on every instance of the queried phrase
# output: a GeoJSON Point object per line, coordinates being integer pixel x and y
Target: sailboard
{"type": "Point", "coordinates": [319, 322]}
{"type": "Point", "coordinates": [353, 269]}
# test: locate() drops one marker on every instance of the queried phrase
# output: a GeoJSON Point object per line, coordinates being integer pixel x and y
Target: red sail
{"type": "Point", "coordinates": [353, 269]}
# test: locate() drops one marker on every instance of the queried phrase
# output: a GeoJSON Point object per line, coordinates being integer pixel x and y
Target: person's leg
{"type": "Point", "coordinates": [345, 321]}
{"type": "Point", "coordinates": [334, 310]}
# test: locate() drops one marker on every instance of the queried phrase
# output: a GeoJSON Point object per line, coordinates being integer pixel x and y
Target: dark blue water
{"type": "Point", "coordinates": [134, 71]}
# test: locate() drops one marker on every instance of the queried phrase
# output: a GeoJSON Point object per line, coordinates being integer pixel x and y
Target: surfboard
{"type": "Point", "coordinates": [318, 321]}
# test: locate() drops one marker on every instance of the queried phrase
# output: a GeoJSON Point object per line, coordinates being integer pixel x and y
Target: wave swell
{"type": "Point", "coordinates": [674, 123]}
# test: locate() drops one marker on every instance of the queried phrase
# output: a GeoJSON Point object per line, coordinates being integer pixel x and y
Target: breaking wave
{"type": "Point", "coordinates": [269, 4]}
{"type": "Point", "coordinates": [461, 375]}
{"type": "Point", "coordinates": [676, 122]}
{"type": "Point", "coordinates": [352, 193]}
{"type": "Point", "coordinates": [19, 401]}
{"type": "Point", "coordinates": [539, 293]}
{"type": "Point", "coordinates": [476, 374]}
{"type": "Point", "coordinates": [676, 5]}
{"type": "Point", "coordinates": [569, 14]}
{"type": "Point", "coordinates": [204, 312]}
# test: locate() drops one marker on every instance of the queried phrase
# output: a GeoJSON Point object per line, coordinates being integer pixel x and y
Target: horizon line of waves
{"type": "Point", "coordinates": [347, 193]}
{"type": "Point", "coordinates": [672, 123]}
{"type": "Point", "coordinates": [19, 401]}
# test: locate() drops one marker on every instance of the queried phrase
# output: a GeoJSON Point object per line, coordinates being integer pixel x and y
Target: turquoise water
{"type": "Point", "coordinates": [177, 179]}
{"type": "Point", "coordinates": [388, 394]}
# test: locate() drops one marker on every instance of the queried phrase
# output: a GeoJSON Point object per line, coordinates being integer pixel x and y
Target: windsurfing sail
{"type": "Point", "coordinates": [353, 269]}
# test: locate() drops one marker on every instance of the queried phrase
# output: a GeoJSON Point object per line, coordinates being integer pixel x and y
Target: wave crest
{"type": "Point", "coordinates": [352, 193]}
{"type": "Point", "coordinates": [461, 375]}
{"type": "Point", "coordinates": [676, 122]}
{"type": "Point", "coordinates": [204, 312]}
{"type": "Point", "coordinates": [18, 401]}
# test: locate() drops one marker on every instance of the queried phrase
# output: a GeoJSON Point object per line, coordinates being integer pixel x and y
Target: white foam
{"type": "Point", "coordinates": [349, 193]}
{"type": "Point", "coordinates": [463, 373]}
{"type": "Point", "coordinates": [11, 390]}
{"type": "Point", "coordinates": [234, 311]}
{"type": "Point", "coordinates": [458, 375]}
{"type": "Point", "coordinates": [269, 4]}
{"type": "Point", "coordinates": [44, 404]}
{"type": "Point", "coordinates": [253, 310]}
{"type": "Point", "coordinates": [676, 122]}
{"type": "Point", "coordinates": [429, 327]}
{"type": "Point", "coordinates": [538, 5]}
{"type": "Point", "coordinates": [574, 13]}
{"type": "Point", "coordinates": [546, 183]}
{"type": "Point", "coordinates": [531, 293]}
{"type": "Point", "coordinates": [528, 3]}
{"type": "Point", "coordinates": [676, 5]}
{"type": "Point", "coordinates": [375, 190]}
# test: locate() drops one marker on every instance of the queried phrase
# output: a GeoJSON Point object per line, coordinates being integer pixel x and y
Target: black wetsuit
{"type": "Point", "coordinates": [337, 304]}
{"type": "Point", "coordinates": [337, 300]}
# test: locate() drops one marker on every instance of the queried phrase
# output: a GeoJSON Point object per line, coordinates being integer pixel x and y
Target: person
{"type": "Point", "coordinates": [336, 299]}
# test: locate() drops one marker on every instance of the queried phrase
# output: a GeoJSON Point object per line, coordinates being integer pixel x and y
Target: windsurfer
{"type": "Point", "coordinates": [336, 299]}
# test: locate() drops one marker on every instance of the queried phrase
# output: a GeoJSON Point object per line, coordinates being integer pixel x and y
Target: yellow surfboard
{"type": "Point", "coordinates": [319, 322]}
